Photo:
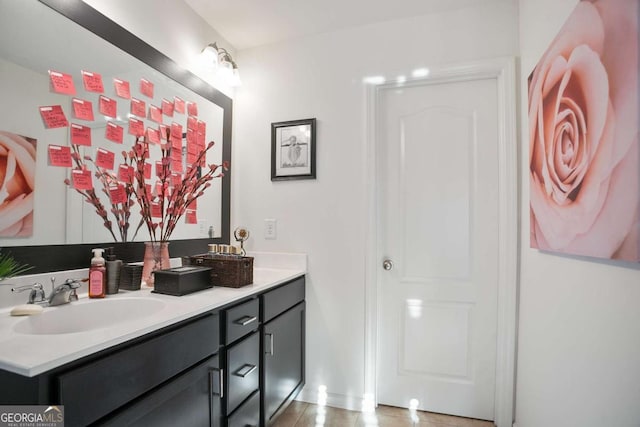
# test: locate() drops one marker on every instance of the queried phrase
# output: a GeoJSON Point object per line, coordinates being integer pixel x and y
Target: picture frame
{"type": "Point", "coordinates": [293, 150]}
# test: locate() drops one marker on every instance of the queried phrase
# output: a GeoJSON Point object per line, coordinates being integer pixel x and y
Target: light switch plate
{"type": "Point", "coordinates": [270, 229]}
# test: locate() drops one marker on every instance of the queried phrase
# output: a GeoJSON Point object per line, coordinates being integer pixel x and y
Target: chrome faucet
{"type": "Point", "coordinates": [62, 294]}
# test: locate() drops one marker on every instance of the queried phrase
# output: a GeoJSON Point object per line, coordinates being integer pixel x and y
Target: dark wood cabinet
{"type": "Point", "coordinates": [238, 365]}
{"type": "Point", "coordinates": [283, 341]}
{"type": "Point", "coordinates": [192, 399]}
{"type": "Point", "coordinates": [94, 390]}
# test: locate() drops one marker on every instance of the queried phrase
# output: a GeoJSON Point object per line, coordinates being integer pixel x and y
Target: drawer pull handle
{"type": "Point", "coordinates": [245, 370]}
{"type": "Point", "coordinates": [271, 344]}
{"type": "Point", "coordinates": [245, 320]}
{"type": "Point", "coordinates": [212, 378]}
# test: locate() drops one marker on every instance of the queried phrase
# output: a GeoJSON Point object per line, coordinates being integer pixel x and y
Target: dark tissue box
{"type": "Point", "coordinates": [182, 280]}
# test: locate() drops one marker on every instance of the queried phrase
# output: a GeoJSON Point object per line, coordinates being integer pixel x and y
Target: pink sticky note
{"type": "Point", "coordinates": [193, 204]}
{"type": "Point", "coordinates": [191, 137]}
{"type": "Point", "coordinates": [155, 114]}
{"type": "Point", "coordinates": [53, 117]}
{"type": "Point", "coordinates": [176, 130]}
{"type": "Point", "coordinates": [176, 144]}
{"type": "Point", "coordinates": [167, 107]}
{"type": "Point", "coordinates": [138, 108]}
{"type": "Point", "coordinates": [108, 106]}
{"type": "Point", "coordinates": [192, 123]}
{"type": "Point", "coordinates": [125, 173]}
{"type": "Point", "coordinates": [191, 217]}
{"type": "Point", "coordinates": [191, 158]}
{"type": "Point", "coordinates": [159, 169]}
{"type": "Point", "coordinates": [156, 211]}
{"type": "Point", "coordinates": [92, 81]}
{"type": "Point", "coordinates": [117, 194]}
{"type": "Point", "coordinates": [59, 156]}
{"type": "Point", "coordinates": [82, 109]}
{"type": "Point", "coordinates": [164, 133]}
{"type": "Point", "coordinates": [105, 158]}
{"type": "Point", "coordinates": [114, 133]}
{"type": "Point", "coordinates": [176, 179]}
{"type": "Point", "coordinates": [178, 103]}
{"type": "Point", "coordinates": [146, 88]}
{"type": "Point", "coordinates": [147, 170]}
{"type": "Point", "coordinates": [147, 187]}
{"type": "Point", "coordinates": [176, 154]}
{"type": "Point", "coordinates": [80, 135]}
{"type": "Point", "coordinates": [176, 165]}
{"type": "Point", "coordinates": [61, 83]}
{"type": "Point", "coordinates": [81, 179]}
{"type": "Point", "coordinates": [202, 127]}
{"type": "Point", "coordinates": [136, 127]}
{"type": "Point", "coordinates": [153, 136]}
{"type": "Point", "coordinates": [192, 108]}
{"type": "Point", "coordinates": [122, 88]}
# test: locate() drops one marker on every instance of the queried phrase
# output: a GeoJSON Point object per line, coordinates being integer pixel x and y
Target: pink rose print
{"type": "Point", "coordinates": [584, 157]}
{"type": "Point", "coordinates": [17, 180]}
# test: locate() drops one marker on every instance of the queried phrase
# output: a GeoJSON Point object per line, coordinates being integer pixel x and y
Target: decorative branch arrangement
{"type": "Point", "coordinates": [162, 207]}
{"type": "Point", "coordinates": [121, 210]}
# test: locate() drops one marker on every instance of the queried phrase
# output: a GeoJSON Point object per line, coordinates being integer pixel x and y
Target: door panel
{"type": "Point", "coordinates": [283, 358]}
{"type": "Point", "coordinates": [435, 210]}
{"type": "Point", "coordinates": [438, 204]}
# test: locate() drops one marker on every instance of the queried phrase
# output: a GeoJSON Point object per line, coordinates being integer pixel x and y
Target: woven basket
{"type": "Point", "coordinates": [232, 271]}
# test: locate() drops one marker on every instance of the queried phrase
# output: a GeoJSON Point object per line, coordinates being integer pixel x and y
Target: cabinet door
{"type": "Point", "coordinates": [283, 340]}
{"type": "Point", "coordinates": [190, 400]}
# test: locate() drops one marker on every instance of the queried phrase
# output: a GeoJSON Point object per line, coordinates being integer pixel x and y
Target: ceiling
{"type": "Point", "coordinates": [250, 23]}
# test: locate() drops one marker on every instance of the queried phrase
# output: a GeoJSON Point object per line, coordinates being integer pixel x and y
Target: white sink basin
{"type": "Point", "coordinates": [88, 315]}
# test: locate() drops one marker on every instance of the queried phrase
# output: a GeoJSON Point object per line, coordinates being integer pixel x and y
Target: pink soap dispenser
{"type": "Point", "coordinates": [97, 275]}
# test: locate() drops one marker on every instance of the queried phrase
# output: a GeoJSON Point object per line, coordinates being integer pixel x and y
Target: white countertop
{"type": "Point", "coordinates": [31, 355]}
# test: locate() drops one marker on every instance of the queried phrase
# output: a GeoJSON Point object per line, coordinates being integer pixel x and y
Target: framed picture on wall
{"type": "Point", "coordinates": [293, 150]}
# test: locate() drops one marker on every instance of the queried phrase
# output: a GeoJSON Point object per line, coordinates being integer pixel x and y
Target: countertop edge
{"type": "Point", "coordinates": [32, 370]}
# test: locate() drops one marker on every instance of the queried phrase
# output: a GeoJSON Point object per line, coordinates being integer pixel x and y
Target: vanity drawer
{"type": "Point", "coordinates": [96, 389]}
{"type": "Point", "coordinates": [248, 415]}
{"type": "Point", "coordinates": [241, 320]}
{"type": "Point", "coordinates": [243, 370]}
{"type": "Point", "coordinates": [281, 299]}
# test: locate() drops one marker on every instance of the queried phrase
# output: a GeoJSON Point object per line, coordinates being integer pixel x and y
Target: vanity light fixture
{"type": "Point", "coordinates": [219, 59]}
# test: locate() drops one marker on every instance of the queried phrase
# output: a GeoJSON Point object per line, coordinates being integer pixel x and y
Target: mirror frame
{"type": "Point", "coordinates": [46, 258]}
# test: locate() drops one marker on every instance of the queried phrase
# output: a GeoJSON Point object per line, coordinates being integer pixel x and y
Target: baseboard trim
{"type": "Point", "coordinates": [311, 395]}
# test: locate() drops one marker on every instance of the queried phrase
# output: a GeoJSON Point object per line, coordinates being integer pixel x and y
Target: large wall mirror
{"type": "Point", "coordinates": [69, 36]}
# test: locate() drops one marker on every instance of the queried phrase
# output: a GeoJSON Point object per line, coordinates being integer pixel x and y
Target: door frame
{"type": "Point", "coordinates": [503, 70]}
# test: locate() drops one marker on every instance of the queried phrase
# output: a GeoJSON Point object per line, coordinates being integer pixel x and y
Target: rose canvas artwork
{"type": "Point", "coordinates": [584, 159]}
{"type": "Point", "coordinates": [17, 181]}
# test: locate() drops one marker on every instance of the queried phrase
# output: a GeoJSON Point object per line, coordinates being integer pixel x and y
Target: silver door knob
{"type": "Point", "coordinates": [387, 264]}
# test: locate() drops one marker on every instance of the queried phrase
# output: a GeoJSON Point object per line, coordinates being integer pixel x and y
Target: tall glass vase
{"type": "Point", "coordinates": [156, 257]}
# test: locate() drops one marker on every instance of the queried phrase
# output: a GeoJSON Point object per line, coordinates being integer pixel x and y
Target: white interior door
{"type": "Point", "coordinates": [437, 151]}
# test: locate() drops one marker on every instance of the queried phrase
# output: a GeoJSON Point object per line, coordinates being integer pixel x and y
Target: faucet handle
{"type": "Point", "coordinates": [73, 283]}
{"type": "Point", "coordinates": [36, 295]}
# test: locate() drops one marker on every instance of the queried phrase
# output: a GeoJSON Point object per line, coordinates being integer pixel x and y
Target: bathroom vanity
{"type": "Point", "coordinates": [220, 357]}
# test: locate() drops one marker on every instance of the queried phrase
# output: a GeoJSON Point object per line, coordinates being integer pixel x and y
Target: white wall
{"type": "Point", "coordinates": [170, 26]}
{"type": "Point", "coordinates": [579, 322]}
{"type": "Point", "coordinates": [321, 76]}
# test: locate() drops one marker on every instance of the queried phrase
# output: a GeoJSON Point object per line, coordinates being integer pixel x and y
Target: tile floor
{"type": "Point", "coordinates": [301, 414]}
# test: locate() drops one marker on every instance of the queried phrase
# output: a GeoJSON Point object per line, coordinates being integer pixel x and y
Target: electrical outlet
{"type": "Point", "coordinates": [270, 229]}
